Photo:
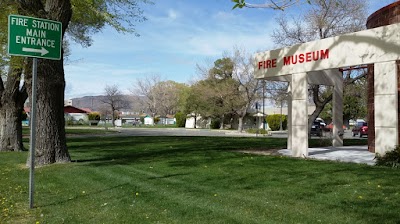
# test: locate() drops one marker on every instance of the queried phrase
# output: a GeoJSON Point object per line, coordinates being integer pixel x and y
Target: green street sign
{"type": "Point", "coordinates": [34, 37]}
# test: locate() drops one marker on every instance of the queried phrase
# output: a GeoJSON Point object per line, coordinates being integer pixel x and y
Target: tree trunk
{"type": "Point", "coordinates": [12, 102]}
{"type": "Point", "coordinates": [319, 106]}
{"type": "Point", "coordinates": [113, 119]}
{"type": "Point", "coordinates": [222, 122]}
{"type": "Point", "coordinates": [11, 136]}
{"type": "Point", "coordinates": [50, 123]}
{"type": "Point", "coordinates": [3, 128]}
{"type": "Point", "coordinates": [240, 126]}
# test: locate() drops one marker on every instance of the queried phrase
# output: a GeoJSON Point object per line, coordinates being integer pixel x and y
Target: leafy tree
{"type": "Point", "coordinates": [196, 101]}
{"type": "Point", "coordinates": [228, 88]}
{"type": "Point", "coordinates": [94, 116]}
{"type": "Point", "coordinates": [94, 15]}
{"type": "Point", "coordinates": [218, 94]}
{"type": "Point", "coordinates": [223, 69]}
{"type": "Point", "coordinates": [180, 119]}
{"type": "Point", "coordinates": [168, 94]}
{"type": "Point", "coordinates": [355, 100]}
{"type": "Point", "coordinates": [183, 98]}
{"type": "Point", "coordinates": [51, 146]}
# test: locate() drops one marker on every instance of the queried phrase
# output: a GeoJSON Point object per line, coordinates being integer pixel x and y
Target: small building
{"type": "Point", "coordinates": [71, 114]}
{"type": "Point", "coordinates": [128, 119]}
{"type": "Point", "coordinates": [197, 122]}
{"type": "Point", "coordinates": [75, 115]}
{"type": "Point", "coordinates": [167, 120]}
{"type": "Point", "coordinates": [148, 120]}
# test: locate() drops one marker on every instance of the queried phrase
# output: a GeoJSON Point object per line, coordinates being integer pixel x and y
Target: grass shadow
{"type": "Point", "coordinates": [126, 150]}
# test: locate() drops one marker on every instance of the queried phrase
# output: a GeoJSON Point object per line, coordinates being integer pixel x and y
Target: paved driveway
{"type": "Point", "coordinates": [209, 132]}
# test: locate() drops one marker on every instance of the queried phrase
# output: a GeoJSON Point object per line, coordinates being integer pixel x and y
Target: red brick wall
{"type": "Point", "coordinates": [387, 15]}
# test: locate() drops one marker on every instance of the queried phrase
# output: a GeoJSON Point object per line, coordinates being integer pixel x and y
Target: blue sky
{"type": "Point", "coordinates": [177, 35]}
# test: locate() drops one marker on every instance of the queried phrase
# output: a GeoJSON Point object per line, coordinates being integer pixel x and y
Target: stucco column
{"type": "Point", "coordinates": [386, 106]}
{"type": "Point", "coordinates": [337, 111]}
{"type": "Point", "coordinates": [299, 115]}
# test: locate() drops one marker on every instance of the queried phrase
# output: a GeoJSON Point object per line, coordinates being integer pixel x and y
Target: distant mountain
{"type": "Point", "coordinates": [95, 103]}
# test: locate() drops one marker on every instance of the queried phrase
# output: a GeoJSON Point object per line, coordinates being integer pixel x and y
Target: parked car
{"type": "Point", "coordinates": [317, 128]}
{"type": "Point", "coordinates": [360, 129]}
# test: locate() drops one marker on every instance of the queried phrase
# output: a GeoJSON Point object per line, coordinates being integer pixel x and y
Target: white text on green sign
{"type": "Point", "coordinates": [34, 37]}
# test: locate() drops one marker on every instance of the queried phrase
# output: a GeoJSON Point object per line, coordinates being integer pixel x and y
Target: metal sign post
{"type": "Point", "coordinates": [36, 38]}
{"type": "Point", "coordinates": [32, 139]}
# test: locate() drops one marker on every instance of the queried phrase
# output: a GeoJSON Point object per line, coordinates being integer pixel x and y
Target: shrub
{"type": "Point", "coordinates": [94, 116]}
{"type": "Point", "coordinates": [257, 131]}
{"type": "Point", "coordinates": [215, 124]}
{"type": "Point", "coordinates": [391, 158]}
{"type": "Point", "coordinates": [180, 119]}
{"type": "Point", "coordinates": [69, 120]}
{"type": "Point", "coordinates": [274, 121]}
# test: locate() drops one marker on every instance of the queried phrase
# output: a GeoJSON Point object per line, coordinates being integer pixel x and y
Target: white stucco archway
{"type": "Point", "coordinates": [318, 62]}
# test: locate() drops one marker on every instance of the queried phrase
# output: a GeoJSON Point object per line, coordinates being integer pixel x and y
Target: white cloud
{"type": "Point", "coordinates": [225, 16]}
{"type": "Point", "coordinates": [172, 14]}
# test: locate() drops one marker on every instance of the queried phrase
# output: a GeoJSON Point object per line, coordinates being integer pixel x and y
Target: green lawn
{"type": "Point", "coordinates": [195, 180]}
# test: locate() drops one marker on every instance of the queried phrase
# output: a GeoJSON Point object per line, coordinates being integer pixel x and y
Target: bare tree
{"type": "Point", "coordinates": [326, 18]}
{"type": "Point", "coordinates": [248, 86]}
{"type": "Point", "coordinates": [143, 92]}
{"type": "Point", "coordinates": [114, 99]}
{"type": "Point", "coordinates": [158, 97]}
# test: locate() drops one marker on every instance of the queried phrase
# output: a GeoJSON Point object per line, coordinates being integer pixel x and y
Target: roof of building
{"type": "Point", "coordinates": [67, 109]}
{"type": "Point", "coordinates": [72, 109]}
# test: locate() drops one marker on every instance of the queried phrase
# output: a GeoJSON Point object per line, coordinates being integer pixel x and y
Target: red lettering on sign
{"type": "Point", "coordinates": [315, 55]}
{"type": "Point", "coordinates": [301, 58]}
{"type": "Point", "coordinates": [274, 63]}
{"type": "Point", "coordinates": [325, 54]}
{"type": "Point", "coordinates": [286, 60]}
{"type": "Point", "coordinates": [308, 56]}
{"type": "Point", "coordinates": [294, 59]}
{"type": "Point", "coordinates": [270, 63]}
